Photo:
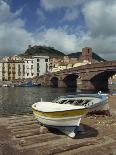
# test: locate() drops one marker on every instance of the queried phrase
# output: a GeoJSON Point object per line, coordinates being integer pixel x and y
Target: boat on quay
{"type": "Point", "coordinates": [95, 103]}
{"type": "Point", "coordinates": [66, 118]}
{"type": "Point", "coordinates": [65, 112]}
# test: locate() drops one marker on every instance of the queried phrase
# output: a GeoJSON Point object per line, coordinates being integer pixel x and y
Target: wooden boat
{"type": "Point", "coordinates": [65, 112]}
{"type": "Point", "coordinates": [28, 84]}
{"type": "Point", "coordinates": [63, 117]}
{"type": "Point", "coordinates": [95, 103]}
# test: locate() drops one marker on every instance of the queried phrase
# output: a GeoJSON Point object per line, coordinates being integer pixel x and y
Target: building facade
{"type": "Point", "coordinates": [15, 69]}
{"type": "Point", "coordinates": [41, 65]}
{"type": "Point", "coordinates": [29, 68]}
{"type": "Point", "coordinates": [86, 54]}
{"type": "Point", "coordinates": [11, 70]}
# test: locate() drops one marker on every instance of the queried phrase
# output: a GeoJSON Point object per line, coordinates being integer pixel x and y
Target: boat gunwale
{"type": "Point", "coordinates": [61, 111]}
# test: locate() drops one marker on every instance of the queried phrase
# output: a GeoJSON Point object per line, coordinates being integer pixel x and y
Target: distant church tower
{"type": "Point", "coordinates": [86, 54]}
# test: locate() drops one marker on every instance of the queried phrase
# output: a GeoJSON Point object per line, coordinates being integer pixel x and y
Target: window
{"type": "Point", "coordinates": [37, 74]}
{"type": "Point", "coordinates": [37, 60]}
{"type": "Point", "coordinates": [38, 70]}
{"type": "Point", "coordinates": [38, 67]}
{"type": "Point", "coordinates": [23, 70]}
{"type": "Point", "coordinates": [31, 66]}
{"type": "Point", "coordinates": [27, 74]}
{"type": "Point", "coordinates": [32, 61]}
{"type": "Point", "coordinates": [18, 66]}
{"type": "Point", "coordinates": [46, 60]}
{"type": "Point", "coordinates": [31, 74]}
{"type": "Point", "coordinates": [46, 67]}
{"type": "Point", "coordinates": [13, 66]}
{"type": "Point", "coordinates": [19, 73]}
{"type": "Point", "coordinates": [27, 61]}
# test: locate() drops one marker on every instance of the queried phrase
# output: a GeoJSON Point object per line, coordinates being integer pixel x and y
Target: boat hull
{"type": "Point", "coordinates": [59, 122]}
{"type": "Point", "coordinates": [100, 109]}
{"type": "Point", "coordinates": [67, 125]}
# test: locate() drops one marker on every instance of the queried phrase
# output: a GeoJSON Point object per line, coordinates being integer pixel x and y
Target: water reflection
{"type": "Point", "coordinates": [19, 100]}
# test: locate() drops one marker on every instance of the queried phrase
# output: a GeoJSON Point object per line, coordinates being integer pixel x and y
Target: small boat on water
{"type": "Point", "coordinates": [28, 84]}
{"type": "Point", "coordinates": [65, 112]}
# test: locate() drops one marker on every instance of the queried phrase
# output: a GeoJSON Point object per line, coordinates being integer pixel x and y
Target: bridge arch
{"type": "Point", "coordinates": [54, 81]}
{"type": "Point", "coordinates": [71, 80]}
{"type": "Point", "coordinates": [100, 81]}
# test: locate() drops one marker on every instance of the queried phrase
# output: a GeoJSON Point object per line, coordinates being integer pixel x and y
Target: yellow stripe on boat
{"type": "Point", "coordinates": [61, 114]}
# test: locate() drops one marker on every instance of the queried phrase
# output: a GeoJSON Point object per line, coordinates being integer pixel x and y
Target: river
{"type": "Point", "coordinates": [18, 100]}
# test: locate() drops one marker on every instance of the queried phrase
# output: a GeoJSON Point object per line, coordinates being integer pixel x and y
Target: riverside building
{"type": "Point", "coordinates": [13, 69]}
{"type": "Point", "coordinates": [29, 68]}
{"type": "Point", "coordinates": [41, 65]}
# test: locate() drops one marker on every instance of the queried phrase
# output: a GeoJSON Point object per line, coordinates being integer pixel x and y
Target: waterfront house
{"type": "Point", "coordinates": [11, 69]}
{"type": "Point", "coordinates": [41, 65]}
{"type": "Point", "coordinates": [16, 69]}
{"type": "Point", "coordinates": [29, 68]}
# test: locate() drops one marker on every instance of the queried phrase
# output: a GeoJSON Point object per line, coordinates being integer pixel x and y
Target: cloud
{"type": "Point", "coordinates": [71, 14]}
{"type": "Point", "coordinates": [101, 23]}
{"type": "Point", "coordinates": [53, 4]}
{"type": "Point", "coordinates": [41, 14]}
{"type": "Point", "coordinates": [57, 38]}
{"type": "Point", "coordinates": [13, 36]}
{"type": "Point", "coordinates": [100, 17]}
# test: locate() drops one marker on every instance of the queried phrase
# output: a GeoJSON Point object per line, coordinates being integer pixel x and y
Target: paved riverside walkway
{"type": "Point", "coordinates": [22, 135]}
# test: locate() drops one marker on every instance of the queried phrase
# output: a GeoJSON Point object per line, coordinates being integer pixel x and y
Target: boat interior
{"type": "Point", "coordinates": [78, 101]}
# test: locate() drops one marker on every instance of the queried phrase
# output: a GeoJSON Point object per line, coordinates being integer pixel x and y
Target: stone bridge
{"type": "Point", "coordinates": [90, 77]}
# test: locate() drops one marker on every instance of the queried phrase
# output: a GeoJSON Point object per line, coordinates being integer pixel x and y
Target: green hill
{"type": "Point", "coordinates": [42, 51]}
{"type": "Point", "coordinates": [52, 52]}
{"type": "Point", "coordinates": [78, 54]}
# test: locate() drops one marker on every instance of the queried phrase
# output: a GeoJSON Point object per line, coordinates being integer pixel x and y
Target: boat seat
{"type": "Point", "coordinates": [85, 102]}
{"type": "Point", "coordinates": [80, 101]}
{"type": "Point", "coordinates": [75, 103]}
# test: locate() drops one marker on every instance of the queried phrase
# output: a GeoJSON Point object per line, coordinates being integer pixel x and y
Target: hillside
{"type": "Point", "coordinates": [42, 51]}
{"type": "Point", "coordinates": [52, 52]}
{"type": "Point", "coordinates": [94, 56]}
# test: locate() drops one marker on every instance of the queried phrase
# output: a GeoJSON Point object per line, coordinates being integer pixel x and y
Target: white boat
{"type": "Point", "coordinates": [63, 117]}
{"type": "Point", "coordinates": [93, 102]}
{"type": "Point", "coordinates": [65, 112]}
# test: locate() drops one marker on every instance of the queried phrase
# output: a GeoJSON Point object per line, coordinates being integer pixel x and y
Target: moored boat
{"type": "Point", "coordinates": [28, 84]}
{"type": "Point", "coordinates": [63, 117]}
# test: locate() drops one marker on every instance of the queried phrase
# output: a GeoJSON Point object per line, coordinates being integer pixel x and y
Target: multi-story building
{"type": "Point", "coordinates": [19, 69]}
{"type": "Point", "coordinates": [13, 69]}
{"type": "Point", "coordinates": [41, 65]}
{"type": "Point", "coordinates": [29, 68]}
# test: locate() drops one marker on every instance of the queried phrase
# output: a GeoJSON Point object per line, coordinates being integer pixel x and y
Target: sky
{"type": "Point", "coordinates": [66, 25]}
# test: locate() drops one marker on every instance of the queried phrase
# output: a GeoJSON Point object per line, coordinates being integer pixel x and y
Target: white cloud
{"type": "Point", "coordinates": [53, 4]}
{"type": "Point", "coordinates": [13, 36]}
{"type": "Point", "coordinates": [71, 14]}
{"type": "Point", "coordinates": [100, 20]}
{"type": "Point", "coordinates": [100, 17]}
{"type": "Point", "coordinates": [58, 38]}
